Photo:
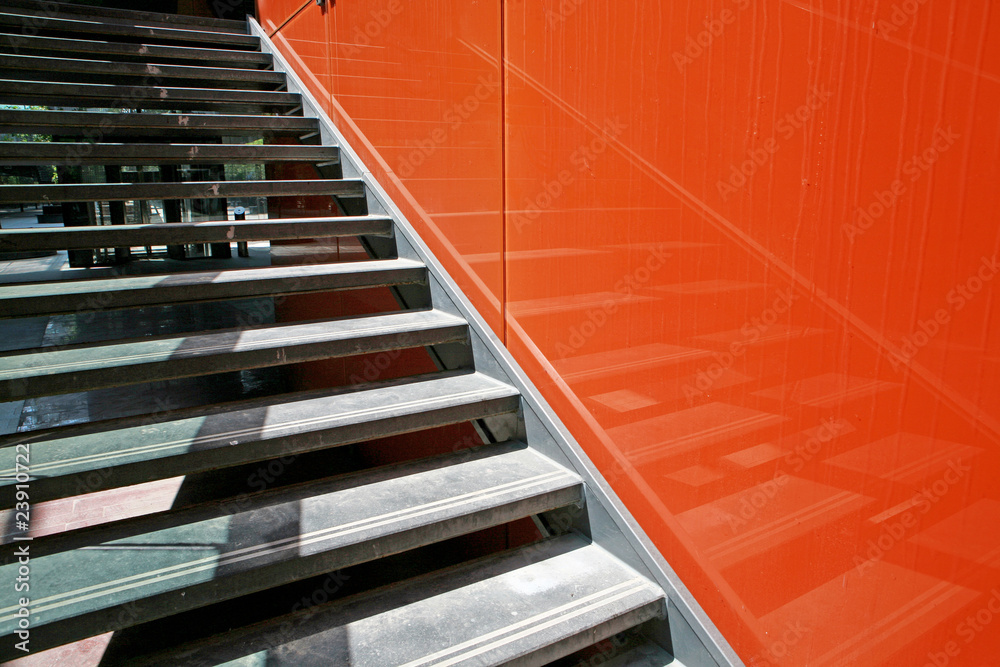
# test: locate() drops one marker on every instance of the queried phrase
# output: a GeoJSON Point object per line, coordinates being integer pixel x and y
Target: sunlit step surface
{"type": "Point", "coordinates": [133, 291]}
{"type": "Point", "coordinates": [219, 231]}
{"type": "Point", "coordinates": [81, 459]}
{"type": "Point", "coordinates": [529, 606]}
{"type": "Point", "coordinates": [132, 361]}
{"type": "Point", "coordinates": [153, 566]}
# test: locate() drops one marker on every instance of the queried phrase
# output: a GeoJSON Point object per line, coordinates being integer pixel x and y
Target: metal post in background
{"type": "Point", "coordinates": [242, 247]}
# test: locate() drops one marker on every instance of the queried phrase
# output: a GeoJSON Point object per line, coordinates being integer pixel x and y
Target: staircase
{"type": "Point", "coordinates": [374, 548]}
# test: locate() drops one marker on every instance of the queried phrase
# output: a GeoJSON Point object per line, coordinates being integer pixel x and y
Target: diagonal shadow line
{"type": "Point", "coordinates": [987, 424]}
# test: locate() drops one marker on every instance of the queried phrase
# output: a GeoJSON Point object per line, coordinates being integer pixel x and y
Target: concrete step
{"type": "Point", "coordinates": [525, 607]}
{"type": "Point", "coordinates": [221, 231]}
{"type": "Point", "coordinates": [89, 48]}
{"type": "Point", "coordinates": [93, 581]}
{"type": "Point", "coordinates": [49, 298]}
{"type": "Point", "coordinates": [78, 70]}
{"type": "Point", "coordinates": [80, 192]}
{"type": "Point", "coordinates": [125, 16]}
{"type": "Point", "coordinates": [97, 126]}
{"type": "Point", "coordinates": [147, 97]}
{"type": "Point", "coordinates": [78, 459]}
{"type": "Point", "coordinates": [77, 368]}
{"type": "Point", "coordinates": [13, 20]}
{"type": "Point", "coordinates": [68, 153]}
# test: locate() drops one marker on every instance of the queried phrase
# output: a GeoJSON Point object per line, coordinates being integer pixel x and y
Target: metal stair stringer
{"type": "Point", "coordinates": [686, 632]}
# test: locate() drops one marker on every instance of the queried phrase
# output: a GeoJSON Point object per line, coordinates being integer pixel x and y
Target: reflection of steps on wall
{"type": "Point", "coordinates": [718, 375]}
{"type": "Point", "coordinates": [546, 255]}
{"type": "Point", "coordinates": [905, 458]}
{"type": "Point", "coordinates": [674, 392]}
{"type": "Point", "coordinates": [760, 334]}
{"type": "Point", "coordinates": [560, 305]}
{"type": "Point", "coordinates": [881, 610]}
{"type": "Point", "coordinates": [747, 467]}
{"type": "Point", "coordinates": [964, 542]}
{"type": "Point", "coordinates": [716, 286]}
{"type": "Point", "coordinates": [624, 366]}
{"type": "Point", "coordinates": [767, 518]}
{"type": "Point", "coordinates": [695, 430]}
{"type": "Point", "coordinates": [795, 451]}
{"type": "Point", "coordinates": [828, 391]}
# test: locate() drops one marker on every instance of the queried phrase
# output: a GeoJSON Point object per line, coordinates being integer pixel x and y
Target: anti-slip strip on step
{"type": "Point", "coordinates": [432, 498]}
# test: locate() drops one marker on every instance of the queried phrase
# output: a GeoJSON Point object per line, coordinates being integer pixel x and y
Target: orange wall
{"type": "Point", "coordinates": [422, 108]}
{"type": "Point", "coordinates": [747, 251]}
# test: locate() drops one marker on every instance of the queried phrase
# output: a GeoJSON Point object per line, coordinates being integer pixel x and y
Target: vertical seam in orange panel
{"type": "Point", "coordinates": [503, 172]}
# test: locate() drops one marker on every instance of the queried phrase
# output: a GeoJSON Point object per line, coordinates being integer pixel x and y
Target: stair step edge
{"type": "Point", "coordinates": [78, 459]}
{"type": "Point", "coordinates": [336, 524]}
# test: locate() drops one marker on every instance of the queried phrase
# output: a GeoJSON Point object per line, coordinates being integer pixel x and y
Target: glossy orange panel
{"type": "Point", "coordinates": [413, 95]}
{"type": "Point", "coordinates": [417, 91]}
{"type": "Point", "coordinates": [748, 251]}
{"type": "Point", "coordinates": [750, 260]}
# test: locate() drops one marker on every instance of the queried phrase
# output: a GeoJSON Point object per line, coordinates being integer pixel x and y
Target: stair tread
{"type": "Point", "coordinates": [130, 51]}
{"type": "Point", "coordinates": [62, 238]}
{"type": "Point", "coordinates": [185, 558]}
{"type": "Point", "coordinates": [165, 124]}
{"type": "Point", "coordinates": [49, 68]}
{"type": "Point", "coordinates": [169, 20]}
{"type": "Point", "coordinates": [194, 440]}
{"type": "Point", "coordinates": [77, 192]}
{"type": "Point", "coordinates": [44, 22]}
{"type": "Point", "coordinates": [76, 368]}
{"type": "Point", "coordinates": [147, 96]}
{"type": "Point", "coordinates": [25, 153]}
{"type": "Point", "coordinates": [488, 612]}
{"type": "Point", "coordinates": [23, 300]}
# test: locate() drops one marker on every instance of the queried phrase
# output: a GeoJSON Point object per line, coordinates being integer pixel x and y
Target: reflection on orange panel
{"type": "Point", "coordinates": [763, 300]}
{"type": "Point", "coordinates": [414, 96]}
{"type": "Point", "coordinates": [411, 91]}
{"type": "Point", "coordinates": [748, 252]}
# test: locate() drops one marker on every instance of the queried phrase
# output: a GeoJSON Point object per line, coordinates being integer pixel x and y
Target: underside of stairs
{"type": "Point", "coordinates": [425, 509]}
